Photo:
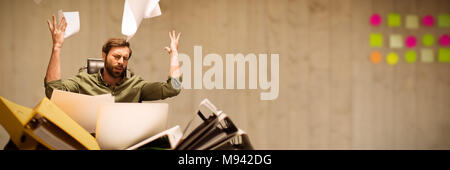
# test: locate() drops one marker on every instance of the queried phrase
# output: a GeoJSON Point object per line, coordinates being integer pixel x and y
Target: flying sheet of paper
{"type": "Point", "coordinates": [81, 108]}
{"type": "Point", "coordinates": [152, 11]}
{"type": "Point", "coordinates": [136, 10]}
{"type": "Point", "coordinates": [37, 1]}
{"type": "Point", "coordinates": [73, 22]}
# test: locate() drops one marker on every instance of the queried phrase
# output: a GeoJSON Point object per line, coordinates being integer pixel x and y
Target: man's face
{"type": "Point", "coordinates": [117, 60]}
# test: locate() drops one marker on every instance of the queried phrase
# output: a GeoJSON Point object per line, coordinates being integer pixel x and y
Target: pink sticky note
{"type": "Point", "coordinates": [444, 40]}
{"type": "Point", "coordinates": [411, 41]}
{"type": "Point", "coordinates": [375, 20]}
{"type": "Point", "coordinates": [428, 20]}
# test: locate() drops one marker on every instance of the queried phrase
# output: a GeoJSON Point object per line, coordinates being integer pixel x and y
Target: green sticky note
{"type": "Point", "coordinates": [395, 41]}
{"type": "Point", "coordinates": [428, 40]}
{"type": "Point", "coordinates": [392, 58]}
{"type": "Point", "coordinates": [444, 21]}
{"type": "Point", "coordinates": [444, 55]}
{"type": "Point", "coordinates": [410, 56]}
{"type": "Point", "coordinates": [376, 40]}
{"type": "Point", "coordinates": [412, 21]}
{"type": "Point", "coordinates": [394, 20]}
{"type": "Point", "coordinates": [427, 55]}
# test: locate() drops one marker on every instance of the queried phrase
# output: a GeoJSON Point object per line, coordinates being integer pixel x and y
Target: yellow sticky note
{"type": "Point", "coordinates": [392, 58]}
{"type": "Point", "coordinates": [426, 55]}
{"type": "Point", "coordinates": [394, 20]}
{"type": "Point", "coordinates": [428, 40]}
{"type": "Point", "coordinates": [376, 40]}
{"type": "Point", "coordinates": [444, 55]}
{"type": "Point", "coordinates": [412, 21]}
{"type": "Point", "coordinates": [410, 56]}
{"type": "Point", "coordinates": [444, 20]}
{"type": "Point", "coordinates": [395, 41]}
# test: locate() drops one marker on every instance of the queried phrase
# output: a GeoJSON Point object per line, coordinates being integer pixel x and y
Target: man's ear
{"type": "Point", "coordinates": [103, 56]}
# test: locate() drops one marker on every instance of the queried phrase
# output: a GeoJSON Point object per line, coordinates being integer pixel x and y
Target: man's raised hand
{"type": "Point", "coordinates": [57, 31]}
{"type": "Point", "coordinates": [173, 42]}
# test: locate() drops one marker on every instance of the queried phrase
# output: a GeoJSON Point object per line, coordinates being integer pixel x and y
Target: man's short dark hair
{"type": "Point", "coordinates": [115, 42]}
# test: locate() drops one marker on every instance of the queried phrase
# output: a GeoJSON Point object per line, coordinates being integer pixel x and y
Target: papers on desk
{"type": "Point", "coordinates": [136, 10]}
{"type": "Point", "coordinates": [63, 123]}
{"type": "Point", "coordinates": [117, 125]}
{"type": "Point", "coordinates": [81, 108]}
{"type": "Point", "coordinates": [121, 125]}
{"type": "Point", "coordinates": [73, 22]}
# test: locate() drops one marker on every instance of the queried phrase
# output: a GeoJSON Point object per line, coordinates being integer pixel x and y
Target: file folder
{"type": "Point", "coordinates": [46, 124]}
{"type": "Point", "coordinates": [13, 118]}
{"type": "Point", "coordinates": [216, 132]}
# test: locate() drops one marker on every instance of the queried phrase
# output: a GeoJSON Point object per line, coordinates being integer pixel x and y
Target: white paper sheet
{"type": "Point", "coordinates": [37, 1]}
{"type": "Point", "coordinates": [81, 108]}
{"type": "Point", "coordinates": [4, 137]}
{"type": "Point", "coordinates": [121, 125]}
{"type": "Point", "coordinates": [73, 22]}
{"type": "Point", "coordinates": [152, 10]}
{"type": "Point", "coordinates": [136, 10]}
{"type": "Point", "coordinates": [174, 135]}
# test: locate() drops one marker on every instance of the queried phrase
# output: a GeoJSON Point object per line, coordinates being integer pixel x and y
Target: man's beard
{"type": "Point", "coordinates": [114, 74]}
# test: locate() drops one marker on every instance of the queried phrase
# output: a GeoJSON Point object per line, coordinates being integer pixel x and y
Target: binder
{"type": "Point", "coordinates": [216, 132]}
{"type": "Point", "coordinates": [13, 118]}
{"type": "Point", "coordinates": [197, 132]}
{"type": "Point", "coordinates": [46, 124]}
{"type": "Point", "coordinates": [240, 141]}
{"type": "Point", "coordinates": [167, 139]}
{"type": "Point", "coordinates": [223, 130]}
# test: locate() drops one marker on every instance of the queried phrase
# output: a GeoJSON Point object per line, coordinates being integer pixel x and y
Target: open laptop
{"type": "Point", "coordinates": [121, 125]}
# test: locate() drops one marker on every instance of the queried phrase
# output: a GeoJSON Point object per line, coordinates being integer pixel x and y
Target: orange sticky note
{"type": "Point", "coordinates": [375, 57]}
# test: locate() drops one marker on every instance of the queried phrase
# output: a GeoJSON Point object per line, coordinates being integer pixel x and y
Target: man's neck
{"type": "Point", "coordinates": [110, 79]}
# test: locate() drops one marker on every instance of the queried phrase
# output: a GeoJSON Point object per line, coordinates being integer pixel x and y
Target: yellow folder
{"type": "Point", "coordinates": [13, 118]}
{"type": "Point", "coordinates": [18, 121]}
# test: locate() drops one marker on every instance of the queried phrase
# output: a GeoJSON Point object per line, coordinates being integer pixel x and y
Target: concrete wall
{"type": "Point", "coordinates": [331, 96]}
